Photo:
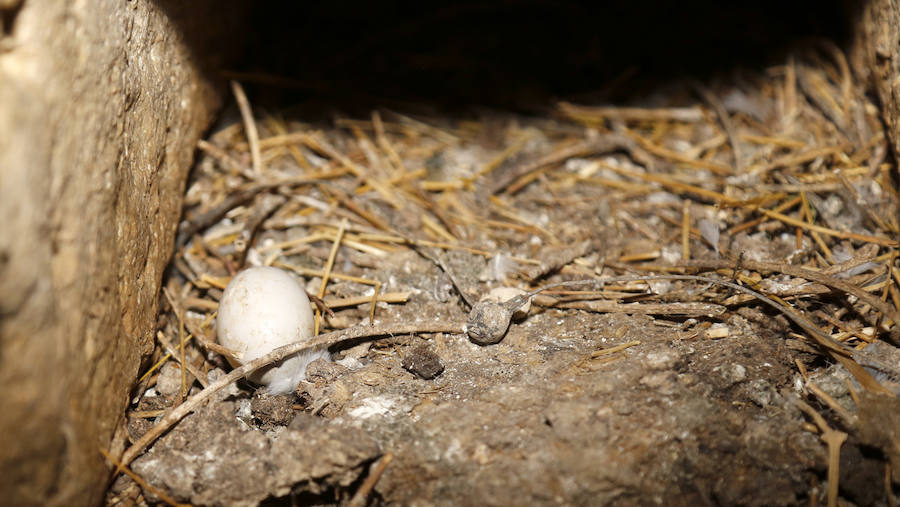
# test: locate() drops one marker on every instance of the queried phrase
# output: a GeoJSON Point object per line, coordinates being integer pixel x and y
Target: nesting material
{"type": "Point", "coordinates": [779, 183]}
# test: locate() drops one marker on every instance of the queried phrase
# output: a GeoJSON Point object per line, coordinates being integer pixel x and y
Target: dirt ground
{"type": "Point", "coordinates": [669, 392]}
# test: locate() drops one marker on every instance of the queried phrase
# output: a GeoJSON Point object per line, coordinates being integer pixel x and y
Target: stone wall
{"type": "Point", "coordinates": [875, 55]}
{"type": "Point", "coordinates": [101, 104]}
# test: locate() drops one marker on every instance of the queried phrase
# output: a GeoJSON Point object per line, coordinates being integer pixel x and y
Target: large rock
{"type": "Point", "coordinates": [875, 55]}
{"type": "Point", "coordinates": [101, 104]}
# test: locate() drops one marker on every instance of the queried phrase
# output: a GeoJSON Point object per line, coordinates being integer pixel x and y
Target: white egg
{"type": "Point", "coordinates": [264, 308]}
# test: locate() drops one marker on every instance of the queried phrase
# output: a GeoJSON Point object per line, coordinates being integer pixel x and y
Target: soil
{"type": "Point", "coordinates": [627, 395]}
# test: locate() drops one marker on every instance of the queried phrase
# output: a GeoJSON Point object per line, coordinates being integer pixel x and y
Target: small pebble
{"type": "Point", "coordinates": [272, 410]}
{"type": "Point", "coordinates": [423, 362]}
{"type": "Point", "coordinates": [169, 382]}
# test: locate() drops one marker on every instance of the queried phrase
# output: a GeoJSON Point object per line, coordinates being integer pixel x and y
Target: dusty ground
{"type": "Point", "coordinates": [691, 397]}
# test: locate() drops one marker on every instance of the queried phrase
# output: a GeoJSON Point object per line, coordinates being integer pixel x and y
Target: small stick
{"type": "Point", "coordinates": [756, 221]}
{"type": "Point", "coordinates": [726, 122]}
{"type": "Point", "coordinates": [265, 206]}
{"type": "Point", "coordinates": [359, 499]}
{"type": "Point", "coordinates": [588, 114]}
{"type": "Point", "coordinates": [674, 184]}
{"type": "Point", "coordinates": [834, 439]}
{"type": "Point", "coordinates": [605, 144]}
{"type": "Point", "coordinates": [796, 159]}
{"type": "Point", "coordinates": [688, 309]}
{"type": "Point", "coordinates": [385, 145]}
{"type": "Point", "coordinates": [249, 126]}
{"type": "Point", "coordinates": [848, 418]}
{"type": "Point", "coordinates": [184, 387]}
{"type": "Point", "coordinates": [660, 151]}
{"type": "Point", "coordinates": [386, 297]}
{"type": "Point", "coordinates": [375, 302]}
{"type": "Point", "coordinates": [139, 480]}
{"type": "Point", "coordinates": [807, 212]}
{"type": "Point", "coordinates": [613, 350]}
{"type": "Point", "coordinates": [328, 265]}
{"type": "Point", "coordinates": [196, 332]}
{"type": "Point", "coordinates": [807, 274]}
{"type": "Point", "coordinates": [790, 95]}
{"type": "Point", "coordinates": [224, 159]}
{"type": "Point", "coordinates": [830, 232]}
{"type": "Point", "coordinates": [190, 227]}
{"type": "Point", "coordinates": [888, 490]}
{"type": "Point", "coordinates": [172, 352]}
{"type": "Point", "coordinates": [686, 230]}
{"type": "Point", "coordinates": [321, 145]}
{"type": "Point", "coordinates": [325, 340]}
{"type": "Point", "coordinates": [802, 368]}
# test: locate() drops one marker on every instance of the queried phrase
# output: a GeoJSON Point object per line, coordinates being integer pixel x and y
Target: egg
{"type": "Point", "coordinates": [264, 308]}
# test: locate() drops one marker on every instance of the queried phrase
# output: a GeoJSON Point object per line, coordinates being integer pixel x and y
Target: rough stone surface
{"type": "Point", "coordinates": [875, 55]}
{"type": "Point", "coordinates": [538, 419]}
{"type": "Point", "coordinates": [101, 104]}
{"type": "Point", "coordinates": [212, 458]}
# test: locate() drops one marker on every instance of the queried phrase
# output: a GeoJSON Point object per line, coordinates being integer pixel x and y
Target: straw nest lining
{"type": "Point", "coordinates": [782, 182]}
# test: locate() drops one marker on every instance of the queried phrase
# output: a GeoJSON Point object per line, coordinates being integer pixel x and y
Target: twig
{"type": "Point", "coordinates": [838, 352]}
{"type": "Point", "coordinates": [224, 159]}
{"type": "Point", "coordinates": [796, 159]}
{"type": "Point", "coordinates": [249, 126]}
{"type": "Point", "coordinates": [435, 132]}
{"type": "Point", "coordinates": [121, 467]}
{"type": "Point", "coordinates": [325, 340]}
{"type": "Point", "coordinates": [830, 232]}
{"type": "Point", "coordinates": [362, 494]}
{"type": "Point", "coordinates": [686, 230]}
{"type": "Point", "coordinates": [317, 143]}
{"type": "Point", "coordinates": [554, 258]}
{"type": "Point", "coordinates": [385, 145]}
{"type": "Point", "coordinates": [488, 321]}
{"type": "Point", "coordinates": [834, 439]}
{"type": "Point", "coordinates": [806, 274]}
{"type": "Point", "coordinates": [848, 418]}
{"type": "Point", "coordinates": [265, 206]}
{"type": "Point", "coordinates": [597, 115]}
{"type": "Point", "coordinates": [327, 271]}
{"type": "Point", "coordinates": [659, 151]}
{"type": "Point", "coordinates": [686, 309]}
{"type": "Point", "coordinates": [613, 350]}
{"type": "Point", "coordinates": [605, 144]}
{"type": "Point", "coordinates": [204, 220]}
{"type": "Point", "coordinates": [375, 303]}
{"type": "Point", "coordinates": [672, 183]}
{"type": "Point", "coordinates": [726, 122]}
{"type": "Point", "coordinates": [199, 336]}
{"type": "Point", "coordinates": [438, 260]}
{"type": "Point", "coordinates": [813, 85]}
{"type": "Point", "coordinates": [756, 221]}
{"type": "Point", "coordinates": [348, 203]}
{"type": "Point", "coordinates": [387, 297]}
{"type": "Point", "coordinates": [184, 365]}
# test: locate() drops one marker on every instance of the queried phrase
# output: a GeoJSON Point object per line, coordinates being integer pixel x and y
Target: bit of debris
{"type": "Point", "coordinates": [423, 362]}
